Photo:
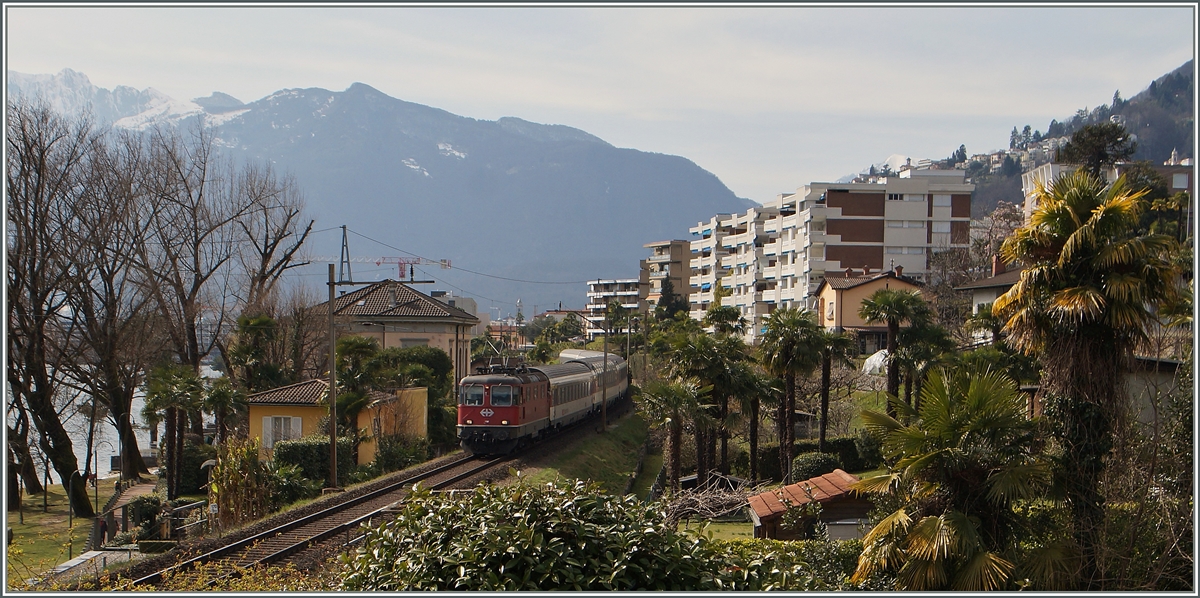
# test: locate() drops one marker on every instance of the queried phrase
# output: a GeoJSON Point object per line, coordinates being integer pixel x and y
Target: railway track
{"type": "Point", "coordinates": [276, 546]}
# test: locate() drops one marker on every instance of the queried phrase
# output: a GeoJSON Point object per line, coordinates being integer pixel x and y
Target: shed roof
{"type": "Point", "coordinates": [822, 489]}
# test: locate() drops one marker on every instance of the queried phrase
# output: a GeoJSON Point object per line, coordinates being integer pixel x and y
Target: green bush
{"type": "Point", "coordinates": [845, 447]}
{"type": "Point", "coordinates": [811, 465]}
{"type": "Point", "coordinates": [523, 537]}
{"type": "Point", "coordinates": [572, 537]}
{"type": "Point", "coordinates": [395, 452]}
{"type": "Point", "coordinates": [800, 565]}
{"type": "Point", "coordinates": [870, 450]}
{"type": "Point", "coordinates": [311, 455]}
{"type": "Point", "coordinates": [144, 509]}
{"type": "Point", "coordinates": [289, 485]}
{"type": "Point", "coordinates": [768, 461]}
{"type": "Point", "coordinates": [192, 479]}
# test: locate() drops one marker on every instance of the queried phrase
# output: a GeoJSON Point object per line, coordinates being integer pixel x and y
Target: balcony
{"type": "Point", "coordinates": [658, 259]}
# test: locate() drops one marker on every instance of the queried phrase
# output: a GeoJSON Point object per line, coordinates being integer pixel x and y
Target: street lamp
{"type": "Point", "coordinates": [97, 472]}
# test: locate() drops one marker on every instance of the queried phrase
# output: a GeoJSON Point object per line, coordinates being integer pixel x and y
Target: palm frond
{"type": "Point", "coordinates": [1026, 480]}
{"type": "Point", "coordinates": [883, 483]}
{"type": "Point", "coordinates": [984, 572]}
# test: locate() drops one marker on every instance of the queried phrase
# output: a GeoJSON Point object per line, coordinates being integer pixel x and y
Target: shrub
{"type": "Point", "coordinates": [290, 485]}
{"type": "Point", "coordinates": [845, 447]}
{"type": "Point", "coordinates": [522, 537]}
{"type": "Point", "coordinates": [144, 509]}
{"type": "Point", "coordinates": [800, 565]}
{"type": "Point", "coordinates": [768, 461]}
{"type": "Point", "coordinates": [870, 450]}
{"type": "Point", "coordinates": [811, 465]}
{"type": "Point", "coordinates": [311, 455]}
{"type": "Point", "coordinates": [193, 479]}
{"type": "Point", "coordinates": [395, 452]}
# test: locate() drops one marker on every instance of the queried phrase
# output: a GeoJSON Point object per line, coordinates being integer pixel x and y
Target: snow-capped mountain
{"type": "Point", "coordinates": [71, 92]}
{"type": "Point", "coordinates": [511, 198]}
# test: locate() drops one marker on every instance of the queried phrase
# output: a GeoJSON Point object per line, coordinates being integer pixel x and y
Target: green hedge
{"type": "Point", "coordinates": [193, 479]}
{"type": "Point", "coordinates": [855, 453]}
{"type": "Point", "coordinates": [311, 455]}
{"type": "Point", "coordinates": [810, 465]}
{"type": "Point", "coordinates": [845, 447]}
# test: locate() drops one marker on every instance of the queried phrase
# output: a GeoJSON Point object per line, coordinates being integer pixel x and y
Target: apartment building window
{"type": "Point", "coordinates": [941, 201]}
{"type": "Point", "coordinates": [914, 197]}
{"type": "Point", "coordinates": [895, 223]}
{"type": "Point", "coordinates": [895, 197]}
{"type": "Point", "coordinates": [893, 250]}
{"type": "Point", "coordinates": [915, 224]}
{"type": "Point", "coordinates": [915, 250]}
{"type": "Point", "coordinates": [941, 227]}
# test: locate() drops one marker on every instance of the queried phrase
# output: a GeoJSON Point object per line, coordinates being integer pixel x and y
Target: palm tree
{"type": "Point", "coordinates": [223, 400]}
{"type": "Point", "coordinates": [919, 347]}
{"type": "Point", "coordinates": [893, 307]}
{"type": "Point", "coordinates": [670, 405]}
{"type": "Point", "coordinates": [960, 462]}
{"type": "Point", "coordinates": [788, 350]}
{"type": "Point", "coordinates": [710, 359]}
{"type": "Point", "coordinates": [173, 390]}
{"type": "Point", "coordinates": [1088, 292]}
{"type": "Point", "coordinates": [834, 347]}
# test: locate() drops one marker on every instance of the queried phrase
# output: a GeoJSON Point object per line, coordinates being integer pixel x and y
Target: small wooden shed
{"type": "Point", "coordinates": [842, 509]}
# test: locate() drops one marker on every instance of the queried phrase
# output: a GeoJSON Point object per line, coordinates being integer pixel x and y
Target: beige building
{"type": "Point", "coordinates": [398, 316]}
{"type": "Point", "coordinates": [839, 298]}
{"type": "Point", "coordinates": [668, 260]}
{"type": "Point", "coordinates": [1179, 175]}
{"type": "Point", "coordinates": [775, 256]}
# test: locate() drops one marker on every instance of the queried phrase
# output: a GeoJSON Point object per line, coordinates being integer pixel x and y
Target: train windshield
{"type": "Point", "coordinates": [502, 396]}
{"type": "Point", "coordinates": [471, 395]}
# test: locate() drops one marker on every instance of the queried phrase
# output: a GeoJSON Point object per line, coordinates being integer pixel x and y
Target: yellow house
{"type": "Point", "coordinates": [840, 297]}
{"type": "Point", "coordinates": [296, 410]}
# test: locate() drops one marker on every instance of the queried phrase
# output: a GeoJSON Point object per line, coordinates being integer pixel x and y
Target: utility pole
{"type": "Point", "coordinates": [332, 385]}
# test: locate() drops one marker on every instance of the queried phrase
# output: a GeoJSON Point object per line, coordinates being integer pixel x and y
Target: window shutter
{"type": "Point", "coordinates": [266, 433]}
{"type": "Point", "coordinates": [297, 432]}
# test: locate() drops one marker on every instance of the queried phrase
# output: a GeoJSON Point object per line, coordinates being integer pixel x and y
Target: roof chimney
{"type": "Point", "coordinates": [392, 295]}
{"type": "Point", "coordinates": [849, 272]}
{"type": "Point", "coordinates": [866, 270]}
{"type": "Point", "coordinates": [899, 270]}
{"type": "Point", "coordinates": [997, 266]}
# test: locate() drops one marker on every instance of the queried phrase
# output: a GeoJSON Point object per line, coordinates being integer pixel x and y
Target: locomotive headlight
{"type": "Point", "coordinates": [504, 422]}
{"type": "Point", "coordinates": [469, 422]}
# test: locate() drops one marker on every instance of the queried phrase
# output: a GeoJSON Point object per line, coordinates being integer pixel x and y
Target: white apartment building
{"type": "Point", "coordinates": [777, 254]}
{"type": "Point", "coordinates": [600, 293]}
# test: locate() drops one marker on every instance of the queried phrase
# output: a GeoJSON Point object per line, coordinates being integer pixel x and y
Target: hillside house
{"type": "Point", "coordinates": [839, 299]}
{"type": "Point", "coordinates": [843, 511]}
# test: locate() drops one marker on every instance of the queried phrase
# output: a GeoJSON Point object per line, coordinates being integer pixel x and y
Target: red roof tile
{"type": "Point", "coordinates": [821, 489]}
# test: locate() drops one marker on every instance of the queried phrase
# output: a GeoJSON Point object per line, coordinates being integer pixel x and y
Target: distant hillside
{"type": "Point", "coordinates": [508, 198]}
{"type": "Point", "coordinates": [1160, 116]}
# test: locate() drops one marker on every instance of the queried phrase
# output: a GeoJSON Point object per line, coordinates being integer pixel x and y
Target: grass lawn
{"type": "Point", "coordinates": [43, 540]}
{"type": "Point", "coordinates": [608, 459]}
{"type": "Point", "coordinates": [725, 530]}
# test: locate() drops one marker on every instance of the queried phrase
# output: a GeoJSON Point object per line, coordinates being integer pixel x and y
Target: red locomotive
{"type": "Point", "coordinates": [500, 408]}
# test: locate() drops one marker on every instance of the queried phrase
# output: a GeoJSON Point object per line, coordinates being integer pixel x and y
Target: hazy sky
{"type": "Point", "coordinates": [767, 98]}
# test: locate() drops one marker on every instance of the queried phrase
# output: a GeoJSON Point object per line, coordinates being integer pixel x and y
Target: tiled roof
{"type": "Point", "coordinates": [840, 283]}
{"type": "Point", "coordinates": [311, 392]}
{"type": "Point", "coordinates": [823, 489]}
{"type": "Point", "coordinates": [392, 299]}
{"type": "Point", "coordinates": [1004, 280]}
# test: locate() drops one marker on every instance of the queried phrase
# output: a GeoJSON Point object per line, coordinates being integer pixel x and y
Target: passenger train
{"type": "Point", "coordinates": [501, 408]}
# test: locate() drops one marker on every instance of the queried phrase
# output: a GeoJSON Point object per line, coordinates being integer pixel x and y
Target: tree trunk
{"type": "Point", "coordinates": [701, 458]}
{"type": "Point", "coordinates": [754, 440]}
{"type": "Point", "coordinates": [673, 454]}
{"type": "Point", "coordinates": [14, 486]}
{"type": "Point", "coordinates": [791, 427]}
{"type": "Point", "coordinates": [19, 445]}
{"type": "Point", "coordinates": [781, 422]}
{"type": "Point", "coordinates": [172, 422]}
{"type": "Point", "coordinates": [724, 436]}
{"type": "Point", "coordinates": [893, 365]}
{"type": "Point", "coordinates": [908, 387]}
{"type": "Point", "coordinates": [56, 444]}
{"type": "Point", "coordinates": [826, 367]}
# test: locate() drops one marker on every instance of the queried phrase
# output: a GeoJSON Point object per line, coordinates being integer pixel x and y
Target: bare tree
{"type": "Point", "coordinates": [45, 157]}
{"type": "Point", "coordinates": [115, 331]}
{"type": "Point", "coordinates": [271, 231]}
